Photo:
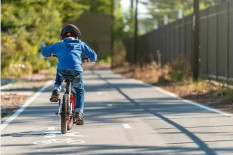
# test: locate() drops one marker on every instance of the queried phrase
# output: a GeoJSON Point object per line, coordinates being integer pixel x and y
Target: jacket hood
{"type": "Point", "coordinates": [67, 43]}
{"type": "Point", "coordinates": [71, 40]}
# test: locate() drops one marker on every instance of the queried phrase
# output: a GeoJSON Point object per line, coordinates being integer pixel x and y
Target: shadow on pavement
{"type": "Point", "coordinates": [201, 144]}
{"type": "Point", "coordinates": [98, 112]}
{"type": "Point", "coordinates": [119, 149]}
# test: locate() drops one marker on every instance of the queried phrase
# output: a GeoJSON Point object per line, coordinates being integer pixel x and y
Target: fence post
{"type": "Point", "coordinates": [136, 34]}
{"type": "Point", "coordinates": [228, 41]}
{"type": "Point", "coordinates": [217, 42]}
{"type": "Point", "coordinates": [112, 33]}
{"type": "Point", "coordinates": [179, 32]}
{"type": "Point", "coordinates": [207, 42]}
{"type": "Point", "coordinates": [173, 42]}
{"type": "Point", "coordinates": [196, 31]}
{"type": "Point", "coordinates": [185, 39]}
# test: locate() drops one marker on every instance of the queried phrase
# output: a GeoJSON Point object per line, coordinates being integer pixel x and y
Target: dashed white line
{"type": "Point", "coordinates": [74, 134]}
{"type": "Point", "coordinates": [51, 132]}
{"type": "Point", "coordinates": [109, 105]}
{"type": "Point", "coordinates": [99, 92]}
{"type": "Point", "coordinates": [126, 126]}
{"type": "Point", "coordinates": [51, 128]}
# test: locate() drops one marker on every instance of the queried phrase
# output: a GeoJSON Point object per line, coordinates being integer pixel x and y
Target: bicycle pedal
{"type": "Point", "coordinates": [54, 99]}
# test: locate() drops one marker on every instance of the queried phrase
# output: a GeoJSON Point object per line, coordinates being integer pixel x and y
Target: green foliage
{"type": "Point", "coordinates": [128, 24]}
{"type": "Point", "coordinates": [200, 85]}
{"type": "Point", "coordinates": [119, 34]}
{"type": "Point", "coordinates": [19, 56]}
{"type": "Point", "coordinates": [25, 24]}
{"type": "Point", "coordinates": [226, 93]}
{"type": "Point", "coordinates": [98, 6]}
{"type": "Point", "coordinates": [108, 60]}
{"type": "Point", "coordinates": [179, 70]}
{"type": "Point", "coordinates": [28, 23]}
{"type": "Point", "coordinates": [159, 8]}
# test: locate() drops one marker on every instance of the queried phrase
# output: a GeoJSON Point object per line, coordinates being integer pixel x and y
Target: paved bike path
{"type": "Point", "coordinates": [122, 116]}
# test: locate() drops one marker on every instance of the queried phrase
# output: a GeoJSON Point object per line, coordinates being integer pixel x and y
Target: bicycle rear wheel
{"type": "Point", "coordinates": [64, 112]}
{"type": "Point", "coordinates": [72, 117]}
{"type": "Point", "coordinates": [70, 122]}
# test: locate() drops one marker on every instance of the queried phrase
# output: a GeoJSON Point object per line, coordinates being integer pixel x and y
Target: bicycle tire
{"type": "Point", "coordinates": [72, 117]}
{"type": "Point", "coordinates": [70, 122]}
{"type": "Point", "coordinates": [64, 114]}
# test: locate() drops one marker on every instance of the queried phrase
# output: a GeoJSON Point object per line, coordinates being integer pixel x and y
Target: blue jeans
{"type": "Point", "coordinates": [77, 86]}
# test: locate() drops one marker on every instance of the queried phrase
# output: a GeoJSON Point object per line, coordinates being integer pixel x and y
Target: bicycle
{"type": "Point", "coordinates": [66, 106]}
{"type": "Point", "coordinates": [66, 109]}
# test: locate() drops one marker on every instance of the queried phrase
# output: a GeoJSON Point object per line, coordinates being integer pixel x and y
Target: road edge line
{"type": "Point", "coordinates": [6, 86]}
{"type": "Point", "coordinates": [187, 101]}
{"type": "Point", "coordinates": [24, 105]}
{"type": "Point", "coordinates": [195, 103]}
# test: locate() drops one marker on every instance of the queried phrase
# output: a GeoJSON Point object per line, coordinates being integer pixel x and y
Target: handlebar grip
{"type": "Point", "coordinates": [86, 59]}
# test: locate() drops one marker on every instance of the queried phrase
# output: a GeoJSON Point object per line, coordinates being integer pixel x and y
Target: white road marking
{"type": "Point", "coordinates": [109, 105]}
{"type": "Point", "coordinates": [56, 141]}
{"type": "Point", "coordinates": [196, 104]}
{"type": "Point", "coordinates": [74, 134]}
{"type": "Point", "coordinates": [127, 126]}
{"type": "Point", "coordinates": [51, 128]}
{"type": "Point", "coordinates": [51, 132]}
{"type": "Point", "coordinates": [25, 105]}
{"type": "Point", "coordinates": [99, 92]}
{"type": "Point", "coordinates": [6, 86]}
{"type": "Point", "coordinates": [186, 101]}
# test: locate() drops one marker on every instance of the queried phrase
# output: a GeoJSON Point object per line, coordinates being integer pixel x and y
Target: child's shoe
{"type": "Point", "coordinates": [79, 118]}
{"type": "Point", "coordinates": [54, 96]}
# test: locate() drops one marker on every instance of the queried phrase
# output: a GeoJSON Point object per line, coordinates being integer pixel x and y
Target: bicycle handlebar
{"type": "Point", "coordinates": [85, 59]}
{"type": "Point", "coordinates": [53, 55]}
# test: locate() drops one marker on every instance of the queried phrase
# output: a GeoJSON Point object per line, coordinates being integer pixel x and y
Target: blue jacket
{"type": "Point", "coordinates": [69, 53]}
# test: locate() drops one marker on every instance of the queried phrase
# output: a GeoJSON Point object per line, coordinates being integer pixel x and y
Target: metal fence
{"type": "Point", "coordinates": [175, 40]}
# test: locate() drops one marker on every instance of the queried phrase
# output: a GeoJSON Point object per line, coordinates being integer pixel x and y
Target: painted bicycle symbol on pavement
{"type": "Point", "coordinates": [57, 141]}
{"type": "Point", "coordinates": [52, 134]}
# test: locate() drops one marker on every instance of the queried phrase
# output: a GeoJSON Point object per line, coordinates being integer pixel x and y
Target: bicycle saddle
{"type": "Point", "coordinates": [68, 78]}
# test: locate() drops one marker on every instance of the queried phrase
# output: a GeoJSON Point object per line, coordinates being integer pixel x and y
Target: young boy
{"type": "Point", "coordinates": [69, 52]}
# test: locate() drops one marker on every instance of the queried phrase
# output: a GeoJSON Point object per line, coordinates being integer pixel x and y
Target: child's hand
{"type": "Point", "coordinates": [52, 55]}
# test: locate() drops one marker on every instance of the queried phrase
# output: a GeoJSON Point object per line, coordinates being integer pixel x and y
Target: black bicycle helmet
{"type": "Point", "coordinates": [70, 30]}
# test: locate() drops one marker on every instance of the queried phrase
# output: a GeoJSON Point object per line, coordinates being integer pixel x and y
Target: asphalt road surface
{"type": "Point", "coordinates": [122, 116]}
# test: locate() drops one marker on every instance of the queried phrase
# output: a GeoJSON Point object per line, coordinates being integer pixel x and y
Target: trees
{"type": "Point", "coordinates": [159, 8]}
{"type": "Point", "coordinates": [25, 24]}
{"type": "Point", "coordinates": [98, 6]}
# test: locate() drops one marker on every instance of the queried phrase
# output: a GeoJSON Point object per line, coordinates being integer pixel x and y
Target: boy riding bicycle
{"type": "Point", "coordinates": [69, 52]}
